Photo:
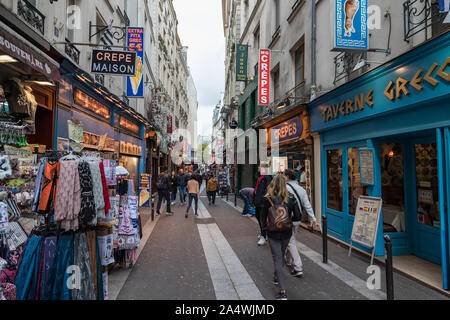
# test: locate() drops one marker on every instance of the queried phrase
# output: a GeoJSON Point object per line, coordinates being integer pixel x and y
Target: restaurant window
{"type": "Point", "coordinates": [355, 188]}
{"type": "Point", "coordinates": [334, 180]}
{"type": "Point", "coordinates": [85, 101]}
{"type": "Point", "coordinates": [129, 125]}
{"type": "Point", "coordinates": [392, 187]}
{"type": "Point", "coordinates": [427, 185]}
{"type": "Point", "coordinates": [299, 70]}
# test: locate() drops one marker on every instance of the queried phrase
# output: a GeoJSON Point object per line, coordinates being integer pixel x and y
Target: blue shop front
{"type": "Point", "coordinates": [401, 111]}
{"type": "Point", "coordinates": [102, 113]}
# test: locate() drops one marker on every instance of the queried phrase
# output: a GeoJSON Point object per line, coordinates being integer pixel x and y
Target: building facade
{"type": "Point", "coordinates": [308, 75]}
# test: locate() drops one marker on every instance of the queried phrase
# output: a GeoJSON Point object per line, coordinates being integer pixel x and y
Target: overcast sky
{"type": "Point", "coordinates": [200, 28]}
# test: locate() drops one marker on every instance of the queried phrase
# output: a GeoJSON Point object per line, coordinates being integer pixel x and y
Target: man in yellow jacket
{"type": "Point", "coordinates": [193, 190]}
{"type": "Point", "coordinates": [211, 188]}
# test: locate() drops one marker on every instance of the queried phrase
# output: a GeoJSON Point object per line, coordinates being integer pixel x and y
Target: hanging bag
{"type": "Point", "coordinates": [278, 218]}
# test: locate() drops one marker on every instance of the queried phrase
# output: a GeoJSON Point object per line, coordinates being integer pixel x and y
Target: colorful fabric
{"type": "Point", "coordinates": [27, 275]}
{"type": "Point", "coordinates": [105, 188]}
{"type": "Point", "coordinates": [38, 186]}
{"type": "Point", "coordinates": [49, 186]}
{"type": "Point", "coordinates": [56, 287]}
{"type": "Point", "coordinates": [68, 196]}
{"type": "Point", "coordinates": [87, 212]}
{"type": "Point", "coordinates": [81, 259]}
{"type": "Point", "coordinates": [47, 261]}
{"type": "Point", "coordinates": [97, 189]}
{"type": "Point", "coordinates": [92, 248]}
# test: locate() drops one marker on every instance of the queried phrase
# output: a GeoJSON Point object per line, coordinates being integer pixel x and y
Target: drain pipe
{"type": "Point", "coordinates": [313, 50]}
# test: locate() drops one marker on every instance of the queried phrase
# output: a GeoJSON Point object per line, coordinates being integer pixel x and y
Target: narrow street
{"type": "Point", "coordinates": [184, 259]}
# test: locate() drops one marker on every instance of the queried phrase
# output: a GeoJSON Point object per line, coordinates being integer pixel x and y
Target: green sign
{"type": "Point", "coordinates": [241, 62]}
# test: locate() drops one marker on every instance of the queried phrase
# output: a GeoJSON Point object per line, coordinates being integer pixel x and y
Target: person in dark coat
{"type": "Point", "coordinates": [173, 187]}
{"type": "Point", "coordinates": [182, 181]}
{"type": "Point", "coordinates": [260, 192]}
{"type": "Point", "coordinates": [162, 184]}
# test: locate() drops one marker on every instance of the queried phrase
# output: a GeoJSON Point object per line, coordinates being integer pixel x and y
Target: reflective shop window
{"type": "Point", "coordinates": [427, 185]}
{"type": "Point", "coordinates": [355, 188]}
{"type": "Point", "coordinates": [392, 187]}
{"type": "Point", "coordinates": [334, 180]}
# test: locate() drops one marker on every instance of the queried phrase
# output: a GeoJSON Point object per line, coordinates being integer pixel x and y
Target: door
{"type": "Point", "coordinates": [425, 215]}
{"type": "Point", "coordinates": [343, 188]}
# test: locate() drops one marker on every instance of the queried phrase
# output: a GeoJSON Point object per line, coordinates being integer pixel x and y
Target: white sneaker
{"type": "Point", "coordinates": [262, 241]}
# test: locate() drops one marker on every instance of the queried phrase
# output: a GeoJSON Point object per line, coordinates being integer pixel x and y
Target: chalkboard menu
{"type": "Point", "coordinates": [366, 221]}
{"type": "Point", "coordinates": [366, 166]}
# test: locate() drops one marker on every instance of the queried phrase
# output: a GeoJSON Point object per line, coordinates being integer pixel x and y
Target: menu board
{"type": "Point", "coordinates": [366, 221]}
{"type": "Point", "coordinates": [366, 166]}
{"type": "Point", "coordinates": [145, 190]}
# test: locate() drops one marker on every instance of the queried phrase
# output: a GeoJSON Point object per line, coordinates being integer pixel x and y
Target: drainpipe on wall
{"type": "Point", "coordinates": [313, 50]}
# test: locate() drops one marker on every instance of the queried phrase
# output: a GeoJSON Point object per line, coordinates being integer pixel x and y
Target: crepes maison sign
{"type": "Point", "coordinates": [113, 62]}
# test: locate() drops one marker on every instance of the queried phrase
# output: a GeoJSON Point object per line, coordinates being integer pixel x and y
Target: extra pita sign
{"type": "Point", "coordinates": [264, 77]}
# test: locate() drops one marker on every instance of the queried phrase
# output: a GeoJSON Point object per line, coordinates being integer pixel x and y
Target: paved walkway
{"type": "Point", "coordinates": [215, 256]}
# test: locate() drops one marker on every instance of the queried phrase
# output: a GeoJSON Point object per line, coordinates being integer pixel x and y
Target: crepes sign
{"type": "Point", "coordinates": [135, 43]}
{"type": "Point", "coordinates": [113, 62]}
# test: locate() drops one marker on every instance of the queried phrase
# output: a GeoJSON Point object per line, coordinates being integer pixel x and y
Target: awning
{"type": "Point", "coordinates": [19, 50]}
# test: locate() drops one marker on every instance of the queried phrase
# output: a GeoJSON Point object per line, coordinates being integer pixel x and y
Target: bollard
{"type": "Point", "coordinates": [324, 239]}
{"type": "Point", "coordinates": [227, 195]}
{"type": "Point", "coordinates": [389, 268]}
{"type": "Point", "coordinates": [235, 197]}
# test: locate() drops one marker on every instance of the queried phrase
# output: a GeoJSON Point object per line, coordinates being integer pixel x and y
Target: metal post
{"type": "Point", "coordinates": [324, 239]}
{"type": "Point", "coordinates": [227, 195]}
{"type": "Point", "coordinates": [389, 268]}
{"type": "Point", "coordinates": [235, 197]}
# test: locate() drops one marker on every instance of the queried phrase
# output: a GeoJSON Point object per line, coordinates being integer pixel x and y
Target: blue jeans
{"type": "Point", "coordinates": [192, 196]}
{"type": "Point", "coordinates": [173, 196]}
{"type": "Point", "coordinates": [182, 191]}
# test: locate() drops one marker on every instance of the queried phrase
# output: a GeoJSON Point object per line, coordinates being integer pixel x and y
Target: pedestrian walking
{"type": "Point", "coordinates": [193, 190]}
{"type": "Point", "coordinates": [248, 195]}
{"type": "Point", "coordinates": [199, 178]}
{"type": "Point", "coordinates": [293, 259]}
{"type": "Point", "coordinates": [212, 186]}
{"type": "Point", "coordinates": [277, 213]}
{"type": "Point", "coordinates": [173, 187]}
{"type": "Point", "coordinates": [260, 191]}
{"type": "Point", "coordinates": [162, 184]}
{"type": "Point", "coordinates": [182, 181]}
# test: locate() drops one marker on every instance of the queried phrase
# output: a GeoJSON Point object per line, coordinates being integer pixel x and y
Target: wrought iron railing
{"type": "Point", "coordinates": [419, 15]}
{"type": "Point", "coordinates": [31, 15]}
{"type": "Point", "coordinates": [72, 51]}
{"type": "Point", "coordinates": [344, 63]}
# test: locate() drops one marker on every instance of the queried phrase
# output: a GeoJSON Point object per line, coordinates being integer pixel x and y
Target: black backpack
{"type": "Point", "coordinates": [161, 182]}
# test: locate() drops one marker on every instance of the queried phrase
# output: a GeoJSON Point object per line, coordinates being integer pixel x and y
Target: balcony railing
{"type": "Point", "coordinates": [420, 15]}
{"type": "Point", "coordinates": [72, 51]}
{"type": "Point", "coordinates": [31, 15]}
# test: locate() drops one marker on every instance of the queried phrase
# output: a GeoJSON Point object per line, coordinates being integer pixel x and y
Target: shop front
{"type": "Point", "coordinates": [28, 80]}
{"type": "Point", "coordinates": [290, 134]}
{"type": "Point", "coordinates": [400, 113]}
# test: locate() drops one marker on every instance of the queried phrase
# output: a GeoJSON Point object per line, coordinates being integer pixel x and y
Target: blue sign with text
{"type": "Point", "coordinates": [135, 42]}
{"type": "Point", "coordinates": [351, 25]}
{"type": "Point", "coordinates": [287, 131]}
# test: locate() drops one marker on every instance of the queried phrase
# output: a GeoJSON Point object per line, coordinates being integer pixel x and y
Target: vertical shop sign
{"type": "Point", "coordinates": [144, 190]}
{"type": "Point", "coordinates": [264, 77]}
{"type": "Point", "coordinates": [135, 42]}
{"type": "Point", "coordinates": [169, 124]}
{"type": "Point", "coordinates": [350, 25]}
{"type": "Point", "coordinates": [241, 62]}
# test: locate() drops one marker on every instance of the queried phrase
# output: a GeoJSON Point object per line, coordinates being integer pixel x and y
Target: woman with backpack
{"type": "Point", "coordinates": [279, 210]}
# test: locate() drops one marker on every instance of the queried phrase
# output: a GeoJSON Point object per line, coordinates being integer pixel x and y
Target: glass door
{"type": "Point", "coordinates": [426, 215]}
